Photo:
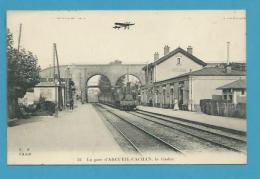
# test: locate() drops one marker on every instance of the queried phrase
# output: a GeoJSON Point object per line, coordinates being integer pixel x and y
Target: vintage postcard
{"type": "Point", "coordinates": [126, 87]}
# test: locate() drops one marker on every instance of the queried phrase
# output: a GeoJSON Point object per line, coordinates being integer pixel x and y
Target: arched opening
{"type": "Point", "coordinates": [96, 85]}
{"type": "Point", "coordinates": [133, 79]}
{"type": "Point", "coordinates": [129, 83]}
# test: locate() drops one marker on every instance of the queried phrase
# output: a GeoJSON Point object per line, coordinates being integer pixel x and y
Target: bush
{"type": "Point", "coordinates": [31, 108]}
{"type": "Point", "coordinates": [23, 112]}
{"type": "Point", "coordinates": [45, 106]}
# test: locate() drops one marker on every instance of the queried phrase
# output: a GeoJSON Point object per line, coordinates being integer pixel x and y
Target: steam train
{"type": "Point", "coordinates": [121, 98]}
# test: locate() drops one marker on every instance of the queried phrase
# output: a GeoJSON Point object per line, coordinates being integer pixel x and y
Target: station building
{"type": "Point", "coordinates": [180, 80]}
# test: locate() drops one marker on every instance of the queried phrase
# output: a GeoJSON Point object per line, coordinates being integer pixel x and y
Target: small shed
{"type": "Point", "coordinates": [45, 90]}
{"type": "Point", "coordinates": [234, 92]}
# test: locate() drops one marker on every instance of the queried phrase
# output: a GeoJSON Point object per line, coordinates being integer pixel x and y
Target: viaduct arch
{"type": "Point", "coordinates": [80, 74]}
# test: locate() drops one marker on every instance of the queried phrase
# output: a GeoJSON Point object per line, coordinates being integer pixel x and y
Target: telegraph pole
{"type": "Point", "coordinates": [19, 37]}
{"type": "Point", "coordinates": [60, 98]}
{"type": "Point", "coordinates": [127, 73]}
{"type": "Point", "coordinates": [54, 80]}
{"type": "Point", "coordinates": [147, 82]}
{"type": "Point", "coordinates": [15, 71]}
{"type": "Point", "coordinates": [127, 81]}
{"type": "Point", "coordinates": [228, 46]}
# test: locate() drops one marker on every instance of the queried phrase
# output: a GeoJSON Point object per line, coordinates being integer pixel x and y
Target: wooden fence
{"type": "Point", "coordinates": [223, 108]}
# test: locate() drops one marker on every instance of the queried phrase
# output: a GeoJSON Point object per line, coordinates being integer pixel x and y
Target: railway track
{"type": "Point", "coordinates": [219, 138]}
{"type": "Point", "coordinates": [141, 140]}
{"type": "Point", "coordinates": [226, 139]}
{"type": "Point", "coordinates": [229, 131]}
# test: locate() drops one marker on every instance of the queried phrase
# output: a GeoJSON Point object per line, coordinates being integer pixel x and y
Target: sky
{"type": "Point", "coordinates": [87, 37]}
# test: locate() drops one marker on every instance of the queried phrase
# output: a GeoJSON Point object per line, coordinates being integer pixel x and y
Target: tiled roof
{"type": "Point", "coordinates": [239, 84]}
{"type": "Point", "coordinates": [184, 52]}
{"type": "Point", "coordinates": [210, 71]}
{"type": "Point", "coordinates": [172, 53]}
{"type": "Point", "coordinates": [215, 71]}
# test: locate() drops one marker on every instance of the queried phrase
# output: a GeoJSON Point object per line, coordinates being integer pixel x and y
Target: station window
{"type": "Point", "coordinates": [225, 97]}
{"type": "Point", "coordinates": [243, 92]}
{"type": "Point", "coordinates": [230, 97]}
{"type": "Point", "coordinates": [178, 61]}
{"type": "Point", "coordinates": [164, 91]}
{"type": "Point", "coordinates": [171, 91]}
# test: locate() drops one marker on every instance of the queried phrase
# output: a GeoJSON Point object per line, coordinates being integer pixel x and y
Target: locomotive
{"type": "Point", "coordinates": [122, 98]}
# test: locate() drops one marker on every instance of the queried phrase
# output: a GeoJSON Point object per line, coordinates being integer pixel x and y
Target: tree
{"type": "Point", "coordinates": [23, 74]}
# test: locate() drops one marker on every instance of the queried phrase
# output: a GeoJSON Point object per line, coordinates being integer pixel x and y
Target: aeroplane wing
{"type": "Point", "coordinates": [120, 24]}
{"type": "Point", "coordinates": [123, 24]}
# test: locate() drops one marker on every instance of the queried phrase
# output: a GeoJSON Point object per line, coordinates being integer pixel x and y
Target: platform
{"type": "Point", "coordinates": [72, 138]}
{"type": "Point", "coordinates": [225, 122]}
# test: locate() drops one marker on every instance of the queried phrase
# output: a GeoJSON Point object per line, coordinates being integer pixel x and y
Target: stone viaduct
{"type": "Point", "coordinates": [80, 74]}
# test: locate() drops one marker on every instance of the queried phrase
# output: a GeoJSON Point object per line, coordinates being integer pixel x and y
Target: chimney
{"type": "Point", "coordinates": [156, 56]}
{"type": "Point", "coordinates": [189, 49]}
{"type": "Point", "coordinates": [228, 66]}
{"type": "Point", "coordinates": [166, 49]}
{"type": "Point", "coordinates": [228, 44]}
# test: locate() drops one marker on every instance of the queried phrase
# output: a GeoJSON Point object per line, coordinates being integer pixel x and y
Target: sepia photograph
{"type": "Point", "coordinates": [89, 87]}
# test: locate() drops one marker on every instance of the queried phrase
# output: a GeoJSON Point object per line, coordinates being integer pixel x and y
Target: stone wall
{"type": "Point", "coordinates": [80, 74]}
